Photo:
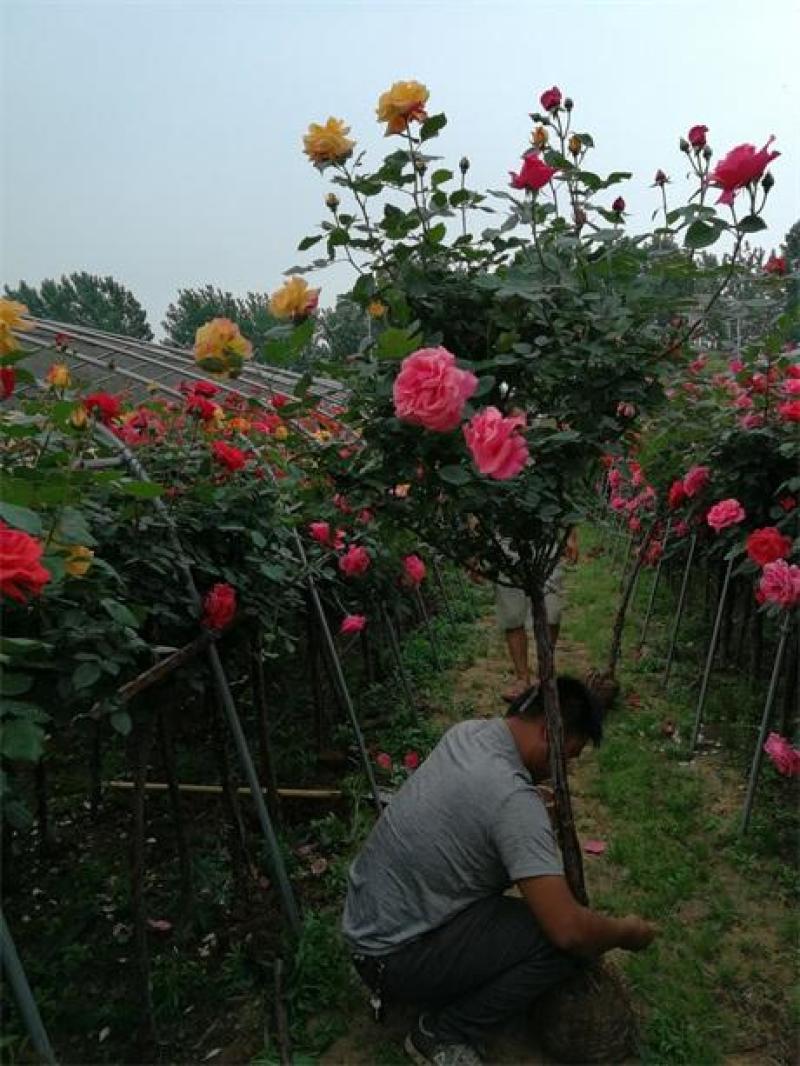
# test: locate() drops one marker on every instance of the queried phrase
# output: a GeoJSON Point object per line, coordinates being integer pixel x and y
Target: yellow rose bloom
{"type": "Point", "coordinates": [401, 104]}
{"type": "Point", "coordinates": [11, 312]}
{"type": "Point", "coordinates": [328, 143]}
{"type": "Point", "coordinates": [281, 433]}
{"type": "Point", "coordinates": [294, 299]}
{"type": "Point", "coordinates": [79, 559]}
{"type": "Point", "coordinates": [79, 417]}
{"type": "Point", "coordinates": [540, 137]}
{"type": "Point", "coordinates": [376, 309]}
{"type": "Point", "coordinates": [58, 376]}
{"type": "Point", "coordinates": [220, 347]}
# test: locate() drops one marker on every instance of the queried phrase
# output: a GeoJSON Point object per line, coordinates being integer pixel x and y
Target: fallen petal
{"type": "Point", "coordinates": [594, 847]}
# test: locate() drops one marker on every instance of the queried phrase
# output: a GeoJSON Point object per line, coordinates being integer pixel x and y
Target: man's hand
{"type": "Point", "coordinates": [637, 933]}
{"type": "Point", "coordinates": [571, 548]}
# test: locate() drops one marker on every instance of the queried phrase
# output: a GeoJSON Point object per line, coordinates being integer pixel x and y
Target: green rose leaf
{"type": "Point", "coordinates": [21, 739]}
{"type": "Point", "coordinates": [21, 518]}
{"type": "Point", "coordinates": [751, 224]}
{"type": "Point", "coordinates": [454, 475]}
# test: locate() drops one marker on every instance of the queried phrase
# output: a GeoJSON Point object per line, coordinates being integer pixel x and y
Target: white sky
{"type": "Point", "coordinates": [160, 141]}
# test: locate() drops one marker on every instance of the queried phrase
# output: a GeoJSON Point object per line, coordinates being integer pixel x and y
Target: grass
{"type": "Point", "coordinates": [676, 856]}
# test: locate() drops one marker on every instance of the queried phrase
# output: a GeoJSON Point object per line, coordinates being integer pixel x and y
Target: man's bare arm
{"type": "Point", "coordinates": [578, 929]}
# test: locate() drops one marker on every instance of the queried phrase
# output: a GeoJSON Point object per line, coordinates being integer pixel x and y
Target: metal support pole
{"type": "Point", "coordinates": [345, 691]}
{"type": "Point", "coordinates": [277, 866]}
{"type": "Point", "coordinates": [654, 589]}
{"type": "Point", "coordinates": [394, 643]}
{"type": "Point", "coordinates": [762, 733]}
{"type": "Point", "coordinates": [712, 647]}
{"type": "Point", "coordinates": [11, 965]}
{"type": "Point", "coordinates": [429, 628]}
{"type": "Point", "coordinates": [437, 573]}
{"type": "Point", "coordinates": [679, 612]}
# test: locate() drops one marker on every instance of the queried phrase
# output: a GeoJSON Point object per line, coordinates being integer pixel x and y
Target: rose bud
{"type": "Point", "coordinates": [767, 182]}
{"type": "Point", "coordinates": [569, 103]}
{"type": "Point", "coordinates": [684, 145]}
{"type": "Point", "coordinates": [332, 201]}
{"type": "Point", "coordinates": [463, 166]}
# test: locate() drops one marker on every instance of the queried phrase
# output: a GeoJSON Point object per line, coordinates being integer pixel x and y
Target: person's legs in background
{"type": "Point", "coordinates": [512, 612]}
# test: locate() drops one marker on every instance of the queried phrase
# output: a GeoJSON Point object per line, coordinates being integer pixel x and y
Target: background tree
{"type": "Point", "coordinates": [194, 307]}
{"type": "Point", "coordinates": [84, 299]}
{"type": "Point", "coordinates": [341, 331]}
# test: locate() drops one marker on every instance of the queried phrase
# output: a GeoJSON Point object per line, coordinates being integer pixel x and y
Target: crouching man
{"type": "Point", "coordinates": [426, 916]}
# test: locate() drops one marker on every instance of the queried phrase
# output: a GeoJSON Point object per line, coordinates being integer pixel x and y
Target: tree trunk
{"type": "Point", "coordinates": [622, 610]}
{"type": "Point", "coordinates": [167, 743]}
{"type": "Point", "coordinates": [262, 722]}
{"type": "Point", "coordinates": [565, 822]}
{"type": "Point", "coordinates": [140, 742]}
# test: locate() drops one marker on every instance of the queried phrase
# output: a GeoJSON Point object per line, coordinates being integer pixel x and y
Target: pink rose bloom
{"type": "Point", "coordinates": [615, 478]}
{"type": "Point", "coordinates": [431, 391]}
{"type": "Point", "coordinates": [625, 410]}
{"type": "Point", "coordinates": [617, 503]}
{"type": "Point", "coordinates": [681, 528]}
{"type": "Point", "coordinates": [320, 532]}
{"type": "Point", "coordinates": [637, 477]}
{"type": "Point", "coordinates": [341, 504]}
{"type": "Point", "coordinates": [495, 443]}
{"type": "Point", "coordinates": [791, 387]}
{"type": "Point", "coordinates": [355, 561]}
{"type": "Point", "coordinates": [790, 411]}
{"type": "Point", "coordinates": [365, 516]}
{"type": "Point", "coordinates": [751, 421]}
{"type": "Point", "coordinates": [780, 584]}
{"type": "Point", "coordinates": [784, 756]}
{"type": "Point", "coordinates": [551, 98]}
{"type": "Point", "coordinates": [697, 364]}
{"type": "Point", "coordinates": [741, 166]}
{"type": "Point", "coordinates": [743, 402]}
{"type": "Point", "coordinates": [676, 495]}
{"type": "Point", "coordinates": [414, 569]}
{"type": "Point", "coordinates": [736, 366]}
{"type": "Point", "coordinates": [411, 760]}
{"type": "Point", "coordinates": [793, 371]}
{"type": "Point", "coordinates": [697, 136]}
{"type": "Point", "coordinates": [724, 514]}
{"type": "Point", "coordinates": [696, 479]}
{"type": "Point", "coordinates": [534, 173]}
{"type": "Point", "coordinates": [384, 761]}
{"type": "Point", "coordinates": [352, 623]}
{"type": "Point", "coordinates": [634, 524]}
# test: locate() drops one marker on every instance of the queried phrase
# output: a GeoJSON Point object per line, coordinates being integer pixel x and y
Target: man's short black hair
{"type": "Point", "coordinates": [580, 711]}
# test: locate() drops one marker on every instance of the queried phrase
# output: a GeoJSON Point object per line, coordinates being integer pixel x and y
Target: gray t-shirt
{"type": "Point", "coordinates": [465, 825]}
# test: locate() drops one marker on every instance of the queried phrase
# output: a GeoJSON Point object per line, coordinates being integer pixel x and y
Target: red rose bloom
{"type": "Point", "coordinates": [697, 137]}
{"type": "Point", "coordinates": [741, 166]}
{"type": "Point", "coordinates": [768, 544]}
{"type": "Point", "coordinates": [618, 205]}
{"type": "Point", "coordinates": [204, 388]}
{"type": "Point", "coordinates": [551, 98]}
{"type": "Point", "coordinates": [21, 572]}
{"type": "Point", "coordinates": [219, 607]}
{"type": "Point", "coordinates": [230, 457]}
{"type": "Point", "coordinates": [198, 405]}
{"type": "Point", "coordinates": [776, 264]}
{"type": "Point", "coordinates": [8, 379]}
{"type": "Point", "coordinates": [534, 174]}
{"type": "Point", "coordinates": [106, 406]}
{"type": "Point", "coordinates": [677, 495]}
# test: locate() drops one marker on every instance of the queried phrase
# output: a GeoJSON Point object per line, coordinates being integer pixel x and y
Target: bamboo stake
{"type": "Point", "coordinates": [712, 647]}
{"type": "Point", "coordinates": [215, 790]}
{"type": "Point", "coordinates": [679, 611]}
{"type": "Point", "coordinates": [13, 969]}
{"type": "Point", "coordinates": [762, 733]}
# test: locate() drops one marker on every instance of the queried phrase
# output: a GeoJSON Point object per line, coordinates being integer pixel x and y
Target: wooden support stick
{"type": "Point", "coordinates": [215, 790]}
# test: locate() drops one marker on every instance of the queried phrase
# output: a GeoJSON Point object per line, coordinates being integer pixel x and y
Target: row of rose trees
{"type": "Point", "coordinates": [523, 345]}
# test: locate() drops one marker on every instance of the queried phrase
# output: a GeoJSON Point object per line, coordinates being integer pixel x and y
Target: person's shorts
{"type": "Point", "coordinates": [514, 608]}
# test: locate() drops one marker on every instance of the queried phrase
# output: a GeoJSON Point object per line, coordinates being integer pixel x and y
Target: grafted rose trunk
{"type": "Point", "coordinates": [565, 821]}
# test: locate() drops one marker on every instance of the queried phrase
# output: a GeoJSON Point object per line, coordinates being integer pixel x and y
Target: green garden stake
{"type": "Point", "coordinates": [437, 573]}
{"type": "Point", "coordinates": [344, 690]}
{"type": "Point", "coordinates": [278, 869]}
{"type": "Point", "coordinates": [11, 965]}
{"type": "Point", "coordinates": [679, 612]}
{"type": "Point", "coordinates": [712, 648]}
{"type": "Point", "coordinates": [398, 658]}
{"type": "Point", "coordinates": [762, 733]}
{"type": "Point", "coordinates": [654, 588]}
{"type": "Point", "coordinates": [423, 610]}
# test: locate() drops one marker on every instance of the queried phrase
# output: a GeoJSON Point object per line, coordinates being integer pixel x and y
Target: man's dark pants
{"type": "Point", "coordinates": [475, 971]}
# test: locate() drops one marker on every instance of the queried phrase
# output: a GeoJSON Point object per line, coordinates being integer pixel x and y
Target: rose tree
{"type": "Point", "coordinates": [529, 347]}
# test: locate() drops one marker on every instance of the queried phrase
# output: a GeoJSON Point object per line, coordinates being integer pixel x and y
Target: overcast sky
{"type": "Point", "coordinates": [161, 141]}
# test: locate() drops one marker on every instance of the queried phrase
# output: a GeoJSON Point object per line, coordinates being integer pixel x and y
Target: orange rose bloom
{"type": "Point", "coordinates": [294, 299]}
{"type": "Point", "coordinates": [59, 376]}
{"type": "Point", "coordinates": [328, 143]}
{"type": "Point", "coordinates": [401, 104]}
{"type": "Point", "coordinates": [220, 348]}
{"type": "Point", "coordinates": [11, 313]}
